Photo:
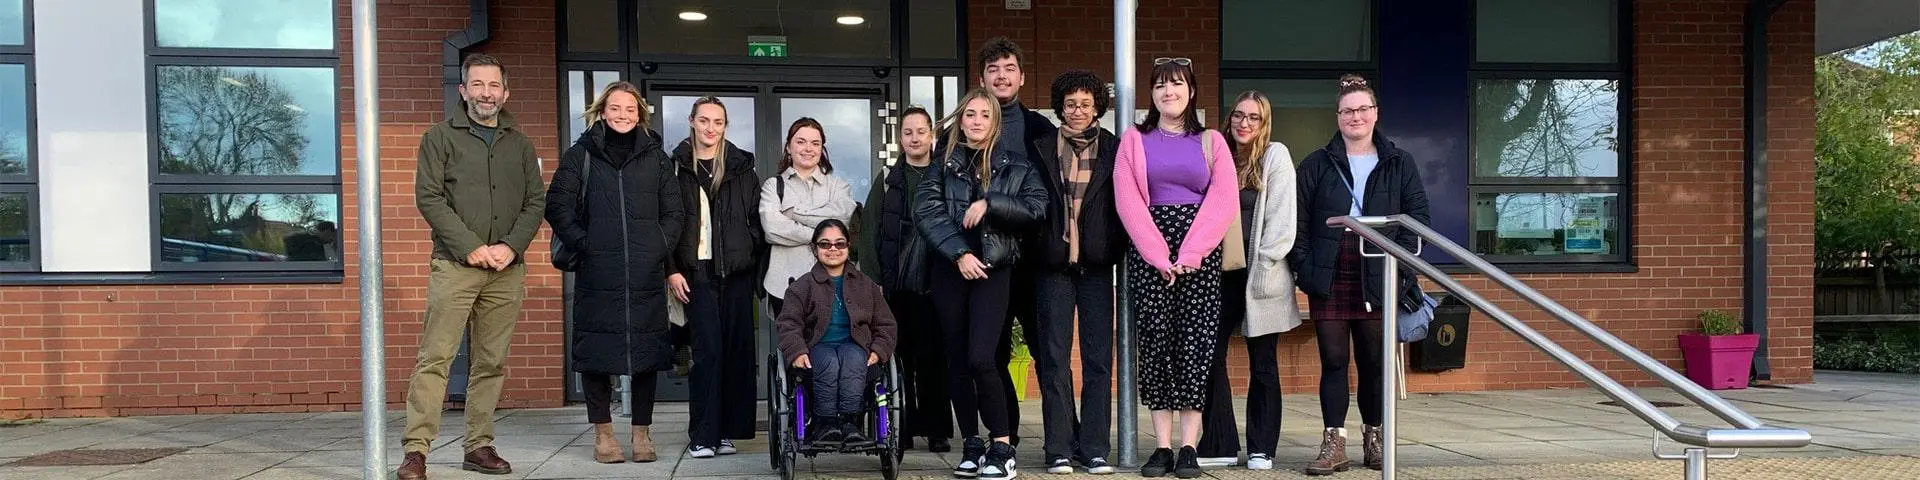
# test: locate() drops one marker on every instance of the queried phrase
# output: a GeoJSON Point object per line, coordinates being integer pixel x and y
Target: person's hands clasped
{"type": "Point", "coordinates": [502, 256]}
{"type": "Point", "coordinates": [975, 214]}
{"type": "Point", "coordinates": [481, 258]}
{"type": "Point", "coordinates": [971, 268]}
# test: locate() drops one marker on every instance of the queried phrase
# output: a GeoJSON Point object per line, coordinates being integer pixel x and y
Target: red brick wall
{"type": "Point", "coordinates": [133, 350]}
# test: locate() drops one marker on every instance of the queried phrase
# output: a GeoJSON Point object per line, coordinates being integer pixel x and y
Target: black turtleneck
{"type": "Point", "coordinates": [620, 145]}
{"type": "Point", "coordinates": [1013, 128]}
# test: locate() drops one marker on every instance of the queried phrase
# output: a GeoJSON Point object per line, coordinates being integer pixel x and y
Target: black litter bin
{"type": "Point", "coordinates": [1445, 347]}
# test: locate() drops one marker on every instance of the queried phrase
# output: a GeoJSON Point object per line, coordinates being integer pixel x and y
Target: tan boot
{"type": "Point", "coordinates": [1333, 454]}
{"type": "Point", "coordinates": [606, 449]}
{"type": "Point", "coordinates": [643, 444]}
{"type": "Point", "coordinates": [1370, 439]}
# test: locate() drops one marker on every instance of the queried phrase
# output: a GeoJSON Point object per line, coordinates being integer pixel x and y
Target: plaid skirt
{"type": "Point", "coordinates": [1348, 298]}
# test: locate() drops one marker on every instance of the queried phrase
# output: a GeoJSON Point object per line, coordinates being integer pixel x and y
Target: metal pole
{"type": "Point", "coordinates": [1696, 464]}
{"type": "Point", "coordinates": [1123, 81]}
{"type": "Point", "coordinates": [1390, 353]}
{"type": "Point", "coordinates": [366, 151]}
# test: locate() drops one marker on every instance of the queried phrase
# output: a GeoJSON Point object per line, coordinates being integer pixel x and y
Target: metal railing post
{"type": "Point", "coordinates": [1696, 463]}
{"type": "Point", "coordinates": [1128, 421]}
{"type": "Point", "coordinates": [366, 146]}
{"type": "Point", "coordinates": [1389, 359]}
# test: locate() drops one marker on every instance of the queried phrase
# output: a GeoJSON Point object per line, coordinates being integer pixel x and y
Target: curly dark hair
{"type": "Point", "coordinates": [997, 48]}
{"type": "Point", "coordinates": [1079, 80]}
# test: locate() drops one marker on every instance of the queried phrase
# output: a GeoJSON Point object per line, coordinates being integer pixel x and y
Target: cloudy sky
{"type": "Point", "coordinates": [295, 24]}
{"type": "Point", "coordinates": [12, 28]}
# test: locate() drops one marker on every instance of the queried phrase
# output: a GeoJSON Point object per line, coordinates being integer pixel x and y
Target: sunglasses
{"type": "Point", "coordinates": [833, 245]}
{"type": "Point", "coordinates": [1181, 61]}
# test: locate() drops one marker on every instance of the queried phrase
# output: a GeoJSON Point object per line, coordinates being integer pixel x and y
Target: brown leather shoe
{"type": "Point", "coordinates": [414, 467]}
{"type": "Point", "coordinates": [485, 460]}
{"type": "Point", "coordinates": [1370, 436]}
{"type": "Point", "coordinates": [1333, 454]}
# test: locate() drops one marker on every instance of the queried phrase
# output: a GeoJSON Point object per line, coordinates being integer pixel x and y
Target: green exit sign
{"type": "Point", "coordinates": [767, 46]}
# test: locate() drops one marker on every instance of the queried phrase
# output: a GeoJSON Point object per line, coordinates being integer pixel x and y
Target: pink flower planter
{"type": "Point", "coordinates": [1719, 362]}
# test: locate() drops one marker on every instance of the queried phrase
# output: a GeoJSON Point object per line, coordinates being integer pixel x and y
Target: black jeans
{"type": "Point", "coordinates": [1219, 436]}
{"type": "Point", "coordinates": [599, 391]}
{"type": "Point", "coordinates": [973, 316]}
{"type": "Point", "coordinates": [923, 367]}
{"type": "Point", "coordinates": [1334, 353]}
{"type": "Point", "coordinates": [839, 378]}
{"type": "Point", "coordinates": [1086, 434]}
{"type": "Point", "coordinates": [722, 384]}
{"type": "Point", "coordinates": [1023, 309]}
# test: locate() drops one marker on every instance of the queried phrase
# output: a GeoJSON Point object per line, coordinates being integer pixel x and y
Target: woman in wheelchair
{"type": "Point", "coordinates": [834, 325]}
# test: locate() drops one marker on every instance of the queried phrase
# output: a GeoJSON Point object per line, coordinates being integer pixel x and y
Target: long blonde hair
{"type": "Point", "coordinates": [720, 144]}
{"type": "Point", "coordinates": [958, 136]}
{"type": "Point", "coordinates": [599, 107]}
{"type": "Point", "coordinates": [1248, 157]}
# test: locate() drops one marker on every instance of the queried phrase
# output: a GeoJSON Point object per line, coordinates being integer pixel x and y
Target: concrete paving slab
{"type": "Point", "coordinates": [1565, 433]}
{"type": "Point", "coordinates": [59, 473]}
{"type": "Point", "coordinates": [307, 473]}
{"type": "Point", "coordinates": [187, 466]}
{"type": "Point", "coordinates": [577, 462]}
{"type": "Point", "coordinates": [1865, 441]}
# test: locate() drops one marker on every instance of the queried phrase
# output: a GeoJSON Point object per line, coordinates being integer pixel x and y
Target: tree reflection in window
{"type": "Point", "coordinates": [15, 244]}
{"type": "Point", "coordinates": [249, 227]}
{"type": "Point", "coordinates": [229, 121]}
{"type": "Point", "coordinates": [1547, 128]}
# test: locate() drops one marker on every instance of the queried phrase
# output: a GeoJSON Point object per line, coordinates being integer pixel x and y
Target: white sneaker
{"type": "Point", "coordinates": [1060, 466]}
{"type": "Point", "coordinates": [1259, 461]}
{"type": "Point", "coordinates": [700, 451]}
{"type": "Point", "coordinates": [1099, 466]}
{"type": "Point", "coordinates": [727, 448]}
{"type": "Point", "coordinates": [1219, 461]}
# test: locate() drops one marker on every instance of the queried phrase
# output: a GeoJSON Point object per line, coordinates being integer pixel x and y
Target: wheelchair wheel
{"type": "Point", "coordinates": [776, 425]}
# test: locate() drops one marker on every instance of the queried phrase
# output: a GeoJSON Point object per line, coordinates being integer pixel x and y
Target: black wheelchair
{"type": "Point", "coordinates": [788, 393]}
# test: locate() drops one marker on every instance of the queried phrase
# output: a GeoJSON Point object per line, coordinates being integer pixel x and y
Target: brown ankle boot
{"type": "Point", "coordinates": [606, 449]}
{"type": "Point", "coordinates": [1370, 439]}
{"type": "Point", "coordinates": [1333, 454]}
{"type": "Point", "coordinates": [643, 444]}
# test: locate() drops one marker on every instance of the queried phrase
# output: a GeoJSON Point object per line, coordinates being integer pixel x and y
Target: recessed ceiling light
{"type": "Point", "coordinates": [851, 20]}
{"type": "Point", "coordinates": [692, 16]}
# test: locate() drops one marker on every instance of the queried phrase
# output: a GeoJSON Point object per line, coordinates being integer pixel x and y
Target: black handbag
{"type": "Point", "coordinates": [910, 269]}
{"type": "Point", "coordinates": [566, 257]}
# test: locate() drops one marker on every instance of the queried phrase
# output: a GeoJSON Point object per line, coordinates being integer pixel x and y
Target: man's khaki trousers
{"type": "Point", "coordinates": [460, 297]}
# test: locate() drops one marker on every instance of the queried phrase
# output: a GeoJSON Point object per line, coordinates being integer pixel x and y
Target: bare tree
{"type": "Point", "coordinates": [13, 154]}
{"type": "Point", "coordinates": [227, 121]}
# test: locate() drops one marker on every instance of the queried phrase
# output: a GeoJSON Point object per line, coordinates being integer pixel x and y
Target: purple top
{"type": "Point", "coordinates": [1176, 169]}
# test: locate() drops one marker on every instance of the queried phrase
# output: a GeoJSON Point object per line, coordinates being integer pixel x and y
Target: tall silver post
{"type": "Point", "coordinates": [1389, 358]}
{"type": "Point", "coordinates": [366, 151]}
{"type": "Point", "coordinates": [1696, 463]}
{"type": "Point", "coordinates": [1123, 80]}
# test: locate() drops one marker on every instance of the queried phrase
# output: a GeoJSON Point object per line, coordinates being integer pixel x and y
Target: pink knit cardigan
{"type": "Point", "coordinates": [1131, 198]}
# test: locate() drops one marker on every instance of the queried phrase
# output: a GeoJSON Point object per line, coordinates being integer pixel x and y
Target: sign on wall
{"type": "Point", "coordinates": [767, 45]}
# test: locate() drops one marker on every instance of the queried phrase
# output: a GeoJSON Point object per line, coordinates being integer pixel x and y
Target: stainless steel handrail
{"type": "Point", "coordinates": [1748, 432]}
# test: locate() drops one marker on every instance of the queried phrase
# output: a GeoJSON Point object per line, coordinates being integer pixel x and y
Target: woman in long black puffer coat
{"type": "Point", "coordinates": [625, 229]}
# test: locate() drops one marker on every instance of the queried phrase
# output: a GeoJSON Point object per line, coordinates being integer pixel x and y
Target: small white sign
{"type": "Point", "coordinates": [1019, 4]}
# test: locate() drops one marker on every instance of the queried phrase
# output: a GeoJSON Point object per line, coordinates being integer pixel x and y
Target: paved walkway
{"type": "Point", "coordinates": [1863, 427]}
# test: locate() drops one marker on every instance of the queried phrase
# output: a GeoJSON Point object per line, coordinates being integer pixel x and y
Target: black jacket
{"type": "Point", "coordinates": [895, 230]}
{"type": "Point", "coordinates": [1016, 204]}
{"type": "Point", "coordinates": [739, 243]}
{"type": "Point", "coordinates": [1101, 237]}
{"type": "Point", "coordinates": [626, 229]}
{"type": "Point", "coordinates": [1393, 188]}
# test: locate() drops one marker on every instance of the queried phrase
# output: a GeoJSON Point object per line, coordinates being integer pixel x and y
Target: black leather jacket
{"type": "Point", "coordinates": [1016, 205]}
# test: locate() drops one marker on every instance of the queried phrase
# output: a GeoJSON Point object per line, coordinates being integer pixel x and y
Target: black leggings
{"type": "Point", "coordinates": [599, 390]}
{"type": "Point", "coordinates": [1334, 351]}
{"type": "Point", "coordinates": [973, 318]}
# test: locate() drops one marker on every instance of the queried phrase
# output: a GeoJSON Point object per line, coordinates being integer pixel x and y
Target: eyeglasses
{"type": "Point", "coordinates": [1181, 61]}
{"type": "Point", "coordinates": [1347, 112]}
{"type": "Point", "coordinates": [831, 245]}
{"type": "Point", "coordinates": [1237, 117]}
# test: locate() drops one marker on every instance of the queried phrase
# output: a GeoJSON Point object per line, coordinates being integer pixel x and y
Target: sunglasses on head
{"type": "Point", "coordinates": [831, 245]}
{"type": "Point", "coordinates": [1181, 61]}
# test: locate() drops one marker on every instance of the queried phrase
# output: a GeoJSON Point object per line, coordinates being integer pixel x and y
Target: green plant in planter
{"type": "Point", "coordinates": [1717, 323]}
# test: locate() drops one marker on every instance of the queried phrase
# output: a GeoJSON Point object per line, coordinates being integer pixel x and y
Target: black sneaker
{"type": "Point", "coordinates": [1059, 465]}
{"type": "Point", "coordinates": [1159, 464]}
{"type": "Point", "coordinates": [830, 430]}
{"type": "Point", "coordinates": [1188, 466]}
{"type": "Point", "coordinates": [999, 464]}
{"type": "Point", "coordinates": [1097, 466]}
{"type": "Point", "coordinates": [849, 425]}
{"type": "Point", "coordinates": [972, 454]}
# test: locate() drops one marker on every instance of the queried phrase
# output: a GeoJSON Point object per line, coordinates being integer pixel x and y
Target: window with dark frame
{"type": "Point", "coordinates": [19, 192]}
{"type": "Point", "coordinates": [245, 135]}
{"type": "Point", "coordinates": [1549, 144]}
{"type": "Point", "coordinates": [1295, 63]}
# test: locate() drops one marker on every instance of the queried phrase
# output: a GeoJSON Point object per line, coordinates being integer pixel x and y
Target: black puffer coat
{"type": "Point", "coordinates": [739, 242]}
{"type": "Point", "coordinates": [626, 229]}
{"type": "Point", "coordinates": [1393, 188]}
{"type": "Point", "coordinates": [1016, 205]}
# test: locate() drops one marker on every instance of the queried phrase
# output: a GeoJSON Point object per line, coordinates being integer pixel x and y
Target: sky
{"type": "Point", "coordinates": [301, 24]}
